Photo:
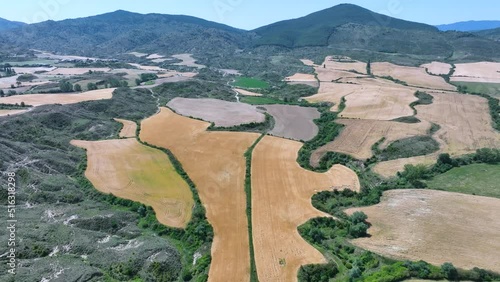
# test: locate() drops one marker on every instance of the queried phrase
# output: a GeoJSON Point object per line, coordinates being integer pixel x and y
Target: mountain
{"type": "Point", "coordinates": [5, 24]}
{"type": "Point", "coordinates": [470, 26]}
{"type": "Point", "coordinates": [121, 31]}
{"type": "Point", "coordinates": [317, 28]}
{"type": "Point", "coordinates": [493, 34]}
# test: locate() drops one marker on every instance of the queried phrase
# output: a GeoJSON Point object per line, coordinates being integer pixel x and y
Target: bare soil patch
{"type": "Point", "coordinates": [281, 201]}
{"type": "Point", "coordinates": [435, 226]}
{"type": "Point", "coordinates": [293, 122]}
{"type": "Point", "coordinates": [215, 162]}
{"type": "Point", "coordinates": [136, 172]}
{"type": "Point", "coordinates": [222, 113]}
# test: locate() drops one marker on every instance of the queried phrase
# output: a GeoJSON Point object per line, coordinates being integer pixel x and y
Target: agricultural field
{"type": "Point", "coordinates": [250, 83]}
{"type": "Point", "coordinates": [277, 212]}
{"type": "Point", "coordinates": [477, 72]}
{"type": "Point", "coordinates": [302, 78]}
{"type": "Point", "coordinates": [246, 92]}
{"type": "Point", "coordinates": [435, 226]}
{"type": "Point", "coordinates": [437, 68]}
{"type": "Point", "coordinates": [358, 137]}
{"type": "Point", "coordinates": [475, 179]}
{"type": "Point", "coordinates": [293, 122]}
{"type": "Point", "coordinates": [414, 76]}
{"type": "Point", "coordinates": [221, 113]}
{"type": "Point", "coordinates": [75, 71]}
{"type": "Point", "coordinates": [187, 60]}
{"type": "Point", "coordinates": [491, 89]}
{"type": "Point", "coordinates": [215, 162]}
{"type": "Point", "coordinates": [133, 171]}
{"type": "Point", "coordinates": [129, 128]}
{"type": "Point", "coordinates": [47, 99]}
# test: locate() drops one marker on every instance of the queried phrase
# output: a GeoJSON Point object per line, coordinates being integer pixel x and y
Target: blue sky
{"type": "Point", "coordinates": [249, 14]}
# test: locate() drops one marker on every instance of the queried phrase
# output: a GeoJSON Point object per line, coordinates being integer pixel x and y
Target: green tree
{"type": "Point", "coordinates": [91, 86]}
{"type": "Point", "coordinates": [2, 94]}
{"type": "Point", "coordinates": [77, 87]}
{"type": "Point", "coordinates": [66, 86]}
{"type": "Point", "coordinates": [450, 272]}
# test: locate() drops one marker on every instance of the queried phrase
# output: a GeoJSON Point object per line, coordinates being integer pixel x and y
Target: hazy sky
{"type": "Point", "coordinates": [249, 14]}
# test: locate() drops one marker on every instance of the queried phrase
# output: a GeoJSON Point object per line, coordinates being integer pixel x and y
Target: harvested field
{"type": "Point", "coordinates": [345, 64]}
{"type": "Point", "coordinates": [136, 172]}
{"type": "Point", "coordinates": [129, 128]}
{"type": "Point", "coordinates": [23, 70]}
{"type": "Point", "coordinates": [4, 113]}
{"type": "Point", "coordinates": [75, 71]}
{"type": "Point", "coordinates": [147, 68]}
{"type": "Point", "coordinates": [412, 75]}
{"type": "Point", "coordinates": [159, 60]}
{"type": "Point", "coordinates": [389, 169]}
{"type": "Point", "coordinates": [154, 56]}
{"type": "Point", "coordinates": [187, 60]}
{"type": "Point", "coordinates": [437, 68]}
{"type": "Point", "coordinates": [358, 137]}
{"type": "Point", "coordinates": [169, 79]}
{"type": "Point", "coordinates": [246, 92]}
{"type": "Point", "coordinates": [215, 162]}
{"type": "Point", "coordinates": [281, 201]}
{"type": "Point", "coordinates": [477, 72]}
{"type": "Point", "coordinates": [43, 54]}
{"type": "Point", "coordinates": [308, 62]}
{"type": "Point", "coordinates": [230, 72]}
{"type": "Point", "coordinates": [48, 99]}
{"type": "Point", "coordinates": [293, 122]}
{"type": "Point", "coordinates": [302, 78]}
{"type": "Point", "coordinates": [137, 54]}
{"type": "Point", "coordinates": [435, 226]}
{"type": "Point", "coordinates": [222, 113]}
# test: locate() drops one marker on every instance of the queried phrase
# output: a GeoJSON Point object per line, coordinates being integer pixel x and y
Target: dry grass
{"type": "Point", "coordinates": [129, 128]}
{"type": "Point", "coordinates": [358, 137]}
{"type": "Point", "coordinates": [47, 99]}
{"type": "Point", "coordinates": [222, 113]}
{"type": "Point", "coordinates": [389, 169]}
{"type": "Point", "coordinates": [281, 201]}
{"type": "Point", "coordinates": [246, 92]}
{"type": "Point", "coordinates": [435, 226]}
{"type": "Point", "coordinates": [136, 172]}
{"type": "Point", "coordinates": [437, 68]}
{"type": "Point", "coordinates": [293, 122]}
{"type": "Point", "coordinates": [412, 75]}
{"type": "Point", "coordinates": [75, 71]}
{"type": "Point", "coordinates": [477, 72]}
{"type": "Point", "coordinates": [215, 162]}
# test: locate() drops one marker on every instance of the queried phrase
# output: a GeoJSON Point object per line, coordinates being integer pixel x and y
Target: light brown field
{"type": "Point", "coordinates": [302, 78]}
{"type": "Point", "coordinates": [138, 54]}
{"type": "Point", "coordinates": [437, 68]}
{"type": "Point", "coordinates": [389, 169]}
{"type": "Point", "coordinates": [246, 92]}
{"type": "Point", "coordinates": [307, 62]}
{"type": "Point", "coordinates": [47, 99]}
{"type": "Point", "coordinates": [48, 55]}
{"type": "Point", "coordinates": [222, 113]}
{"type": "Point", "coordinates": [23, 70]}
{"type": "Point", "coordinates": [293, 122]}
{"type": "Point", "coordinates": [75, 71]}
{"type": "Point", "coordinates": [215, 162]}
{"type": "Point", "coordinates": [130, 170]}
{"type": "Point", "coordinates": [154, 56]}
{"type": "Point", "coordinates": [159, 60]}
{"type": "Point", "coordinates": [477, 72]}
{"type": "Point", "coordinates": [345, 64]}
{"type": "Point", "coordinates": [281, 201]}
{"type": "Point", "coordinates": [4, 113]}
{"type": "Point", "coordinates": [412, 75]}
{"type": "Point", "coordinates": [147, 68]}
{"type": "Point", "coordinates": [435, 226]}
{"type": "Point", "coordinates": [129, 128]}
{"type": "Point", "coordinates": [187, 60]}
{"type": "Point", "coordinates": [358, 137]}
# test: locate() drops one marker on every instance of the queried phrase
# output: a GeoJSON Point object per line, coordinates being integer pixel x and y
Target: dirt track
{"type": "Point", "coordinates": [435, 226]}
{"type": "Point", "coordinates": [281, 201]}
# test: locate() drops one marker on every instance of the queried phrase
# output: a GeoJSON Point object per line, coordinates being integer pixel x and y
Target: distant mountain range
{"type": "Point", "coordinates": [5, 24]}
{"type": "Point", "coordinates": [343, 27]}
{"type": "Point", "coordinates": [470, 26]}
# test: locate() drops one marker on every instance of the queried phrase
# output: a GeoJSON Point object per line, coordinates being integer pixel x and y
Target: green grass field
{"type": "Point", "coordinates": [478, 179]}
{"type": "Point", "coordinates": [492, 89]}
{"type": "Point", "coordinates": [248, 82]}
{"type": "Point", "coordinates": [256, 100]}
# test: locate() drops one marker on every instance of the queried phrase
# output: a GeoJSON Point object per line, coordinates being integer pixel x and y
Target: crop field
{"type": "Point", "coordinates": [215, 162]}
{"type": "Point", "coordinates": [250, 83]}
{"type": "Point", "coordinates": [435, 226]}
{"type": "Point", "coordinates": [187, 60]}
{"type": "Point", "coordinates": [358, 137]}
{"type": "Point", "coordinates": [129, 128]}
{"type": "Point", "coordinates": [437, 68]}
{"type": "Point", "coordinates": [147, 68]}
{"type": "Point", "coordinates": [246, 92]}
{"type": "Point", "coordinates": [26, 70]}
{"type": "Point", "coordinates": [492, 89]}
{"type": "Point", "coordinates": [154, 56]}
{"type": "Point", "coordinates": [281, 201]}
{"type": "Point", "coordinates": [389, 169]}
{"type": "Point", "coordinates": [307, 62]}
{"type": "Point", "coordinates": [476, 179]}
{"type": "Point", "coordinates": [412, 75]}
{"type": "Point", "coordinates": [477, 72]}
{"type": "Point", "coordinates": [302, 78]}
{"type": "Point", "coordinates": [48, 99]}
{"type": "Point", "coordinates": [138, 54]}
{"type": "Point", "coordinates": [76, 71]}
{"type": "Point", "coordinates": [222, 113]}
{"type": "Point", "coordinates": [136, 172]}
{"type": "Point", "coordinates": [293, 122]}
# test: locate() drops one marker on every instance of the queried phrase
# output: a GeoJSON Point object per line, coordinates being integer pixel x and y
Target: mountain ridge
{"type": "Point", "coordinates": [467, 26]}
{"type": "Point", "coordinates": [6, 24]}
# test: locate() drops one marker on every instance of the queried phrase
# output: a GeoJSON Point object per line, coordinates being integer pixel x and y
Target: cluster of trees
{"type": "Point", "coordinates": [9, 93]}
{"type": "Point", "coordinates": [146, 77]}
{"type": "Point", "coordinates": [7, 70]}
